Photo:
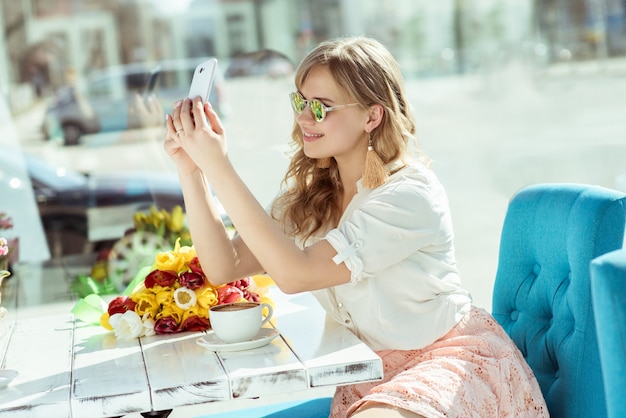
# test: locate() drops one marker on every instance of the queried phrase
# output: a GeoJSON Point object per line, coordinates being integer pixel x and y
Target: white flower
{"type": "Point", "coordinates": [148, 325]}
{"type": "Point", "coordinates": [185, 298]}
{"type": "Point", "coordinates": [127, 325]}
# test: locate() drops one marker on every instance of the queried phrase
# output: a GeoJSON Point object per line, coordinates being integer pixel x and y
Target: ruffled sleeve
{"type": "Point", "coordinates": [389, 225]}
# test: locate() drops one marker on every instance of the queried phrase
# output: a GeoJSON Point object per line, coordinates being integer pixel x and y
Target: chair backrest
{"type": "Point", "coordinates": [541, 295]}
{"type": "Point", "coordinates": [608, 291]}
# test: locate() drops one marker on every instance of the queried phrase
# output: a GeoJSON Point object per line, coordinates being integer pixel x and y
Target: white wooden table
{"type": "Point", "coordinates": [68, 369]}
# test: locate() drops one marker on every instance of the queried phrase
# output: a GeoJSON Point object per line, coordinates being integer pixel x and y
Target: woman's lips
{"type": "Point", "coordinates": [310, 137]}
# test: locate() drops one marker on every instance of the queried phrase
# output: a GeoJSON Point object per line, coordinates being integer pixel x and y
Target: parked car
{"type": "Point", "coordinates": [266, 62]}
{"type": "Point", "coordinates": [81, 213]}
{"type": "Point", "coordinates": [106, 100]}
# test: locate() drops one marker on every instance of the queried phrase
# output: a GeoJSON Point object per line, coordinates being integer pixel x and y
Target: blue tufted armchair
{"type": "Point", "coordinates": [541, 295]}
{"type": "Point", "coordinates": [608, 291]}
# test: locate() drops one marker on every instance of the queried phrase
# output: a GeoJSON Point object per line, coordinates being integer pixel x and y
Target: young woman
{"type": "Point", "coordinates": [367, 229]}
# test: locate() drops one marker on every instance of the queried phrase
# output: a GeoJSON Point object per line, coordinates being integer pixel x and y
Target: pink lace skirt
{"type": "Point", "coordinates": [473, 371]}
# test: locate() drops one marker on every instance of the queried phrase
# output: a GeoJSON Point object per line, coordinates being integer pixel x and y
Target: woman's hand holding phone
{"type": "Point", "coordinates": [194, 128]}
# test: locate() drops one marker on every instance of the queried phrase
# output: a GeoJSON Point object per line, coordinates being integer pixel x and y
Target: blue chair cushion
{"type": "Point", "coordinates": [608, 289]}
{"type": "Point", "coordinates": [315, 408]}
{"type": "Point", "coordinates": [541, 295]}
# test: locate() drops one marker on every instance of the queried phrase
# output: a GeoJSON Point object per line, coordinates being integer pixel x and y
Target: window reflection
{"type": "Point", "coordinates": [86, 85]}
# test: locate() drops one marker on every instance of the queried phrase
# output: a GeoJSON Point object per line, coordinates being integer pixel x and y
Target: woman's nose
{"type": "Point", "coordinates": [305, 116]}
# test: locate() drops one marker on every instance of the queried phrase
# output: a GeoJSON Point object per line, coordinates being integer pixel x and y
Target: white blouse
{"type": "Point", "coordinates": [397, 242]}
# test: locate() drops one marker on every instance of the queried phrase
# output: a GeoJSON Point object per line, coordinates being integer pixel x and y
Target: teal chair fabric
{"type": "Point", "coordinates": [608, 290]}
{"type": "Point", "coordinates": [542, 295]}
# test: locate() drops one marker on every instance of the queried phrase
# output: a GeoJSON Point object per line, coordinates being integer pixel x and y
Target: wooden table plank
{"type": "Point", "coordinates": [331, 353]}
{"type": "Point", "coordinates": [113, 377]}
{"type": "Point", "coordinates": [353, 362]}
{"type": "Point", "coordinates": [40, 350]}
{"type": "Point", "coordinates": [268, 370]}
{"type": "Point", "coordinates": [108, 375]}
{"type": "Point", "coordinates": [181, 372]}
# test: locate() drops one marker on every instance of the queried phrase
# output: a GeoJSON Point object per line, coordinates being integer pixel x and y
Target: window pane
{"type": "Point", "coordinates": [505, 94]}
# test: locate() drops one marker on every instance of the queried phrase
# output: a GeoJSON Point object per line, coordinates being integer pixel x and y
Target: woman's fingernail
{"type": "Point", "coordinates": [178, 103]}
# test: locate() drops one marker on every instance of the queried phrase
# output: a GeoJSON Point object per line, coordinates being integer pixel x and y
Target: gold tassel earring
{"type": "Point", "coordinates": [323, 162]}
{"type": "Point", "coordinates": [375, 172]}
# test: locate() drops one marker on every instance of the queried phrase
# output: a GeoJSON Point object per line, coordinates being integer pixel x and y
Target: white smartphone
{"type": "Point", "coordinates": [202, 80]}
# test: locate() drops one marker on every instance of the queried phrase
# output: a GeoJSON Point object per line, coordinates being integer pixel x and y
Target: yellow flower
{"type": "Point", "coordinates": [170, 261]}
{"type": "Point", "coordinates": [195, 311]}
{"type": "Point", "coordinates": [104, 321]}
{"type": "Point", "coordinates": [146, 303]}
{"type": "Point", "coordinates": [186, 253]}
{"type": "Point", "coordinates": [173, 311]}
{"type": "Point", "coordinates": [263, 281]}
{"type": "Point", "coordinates": [202, 312]}
{"type": "Point", "coordinates": [177, 219]}
{"type": "Point", "coordinates": [140, 219]}
{"type": "Point", "coordinates": [163, 295]}
{"type": "Point", "coordinates": [207, 297]}
{"type": "Point", "coordinates": [177, 259]}
{"type": "Point", "coordinates": [185, 236]}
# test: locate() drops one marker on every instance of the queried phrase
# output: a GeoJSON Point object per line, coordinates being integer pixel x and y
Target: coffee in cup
{"type": "Point", "coordinates": [239, 321]}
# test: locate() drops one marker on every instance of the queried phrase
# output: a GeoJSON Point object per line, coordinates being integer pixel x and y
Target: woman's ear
{"type": "Point", "coordinates": [375, 117]}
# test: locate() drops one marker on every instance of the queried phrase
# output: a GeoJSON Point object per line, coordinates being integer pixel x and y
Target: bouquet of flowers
{"type": "Point", "coordinates": [4, 251]}
{"type": "Point", "coordinates": [114, 267]}
{"type": "Point", "coordinates": [5, 223]}
{"type": "Point", "coordinates": [169, 225]}
{"type": "Point", "coordinates": [173, 295]}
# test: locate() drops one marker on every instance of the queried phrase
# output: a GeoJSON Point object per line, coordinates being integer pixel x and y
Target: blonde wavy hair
{"type": "Point", "coordinates": [369, 74]}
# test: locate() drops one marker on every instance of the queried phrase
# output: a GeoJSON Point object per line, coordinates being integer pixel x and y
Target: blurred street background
{"type": "Point", "coordinates": [487, 134]}
{"type": "Point", "coordinates": [506, 94]}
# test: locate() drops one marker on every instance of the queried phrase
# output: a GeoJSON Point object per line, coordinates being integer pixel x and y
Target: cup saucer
{"type": "Point", "coordinates": [7, 376]}
{"type": "Point", "coordinates": [211, 342]}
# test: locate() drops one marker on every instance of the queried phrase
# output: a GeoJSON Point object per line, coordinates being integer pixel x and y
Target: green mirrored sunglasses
{"type": "Point", "coordinates": [317, 108]}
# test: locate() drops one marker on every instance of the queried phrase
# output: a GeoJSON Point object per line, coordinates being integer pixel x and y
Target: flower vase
{"type": "Point", "coordinates": [3, 311]}
{"type": "Point", "coordinates": [3, 275]}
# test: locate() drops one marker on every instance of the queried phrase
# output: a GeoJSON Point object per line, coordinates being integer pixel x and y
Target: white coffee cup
{"type": "Point", "coordinates": [239, 321]}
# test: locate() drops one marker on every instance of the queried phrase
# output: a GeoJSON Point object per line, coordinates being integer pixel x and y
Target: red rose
{"type": "Point", "coordinates": [166, 325]}
{"type": "Point", "coordinates": [194, 265]}
{"type": "Point", "coordinates": [195, 323]}
{"type": "Point", "coordinates": [120, 305]}
{"type": "Point", "coordinates": [161, 278]}
{"type": "Point", "coordinates": [251, 296]}
{"type": "Point", "coordinates": [241, 283]}
{"type": "Point", "coordinates": [192, 280]}
{"type": "Point", "coordinates": [228, 294]}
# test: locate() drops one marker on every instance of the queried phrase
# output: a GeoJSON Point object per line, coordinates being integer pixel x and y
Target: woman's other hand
{"type": "Point", "coordinates": [202, 135]}
{"type": "Point", "coordinates": [172, 146]}
{"type": "Point", "coordinates": [144, 112]}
